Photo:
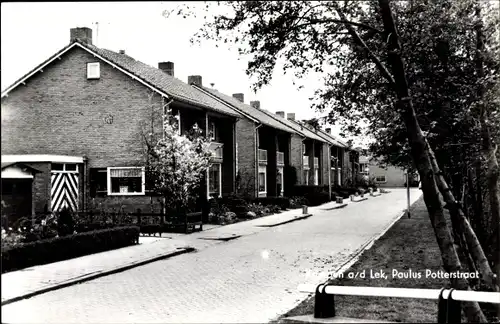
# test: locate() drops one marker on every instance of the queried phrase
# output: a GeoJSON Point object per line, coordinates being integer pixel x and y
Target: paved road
{"type": "Point", "coordinates": [250, 279]}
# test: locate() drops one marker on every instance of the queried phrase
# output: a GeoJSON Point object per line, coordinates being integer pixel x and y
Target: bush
{"type": "Point", "coordinates": [315, 195]}
{"type": "Point", "coordinates": [317, 198]}
{"type": "Point", "coordinates": [298, 202]}
{"type": "Point", "coordinates": [67, 247]}
{"type": "Point", "coordinates": [65, 222]}
{"type": "Point", "coordinates": [282, 202]}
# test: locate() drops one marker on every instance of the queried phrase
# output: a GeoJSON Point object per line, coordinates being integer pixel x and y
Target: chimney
{"type": "Point", "coordinates": [168, 68]}
{"type": "Point", "coordinates": [255, 104]}
{"type": "Point", "coordinates": [290, 116]}
{"type": "Point", "coordinates": [195, 79]}
{"type": "Point", "coordinates": [121, 51]}
{"type": "Point", "coordinates": [328, 130]}
{"type": "Point", "coordinates": [239, 96]}
{"type": "Point", "coordinates": [281, 114]}
{"type": "Point", "coordinates": [83, 34]}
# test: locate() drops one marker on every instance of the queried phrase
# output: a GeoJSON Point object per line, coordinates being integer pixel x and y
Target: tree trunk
{"type": "Point", "coordinates": [420, 153]}
{"type": "Point", "coordinates": [488, 148]}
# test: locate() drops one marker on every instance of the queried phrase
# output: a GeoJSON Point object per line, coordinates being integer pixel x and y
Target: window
{"type": "Point", "coordinates": [304, 149]}
{"type": "Point", "coordinates": [93, 71]}
{"type": "Point", "coordinates": [98, 182]}
{"type": "Point", "coordinates": [262, 179]}
{"type": "Point", "coordinates": [316, 176]}
{"type": "Point", "coordinates": [126, 181]}
{"type": "Point", "coordinates": [214, 180]}
{"type": "Point", "coordinates": [380, 179]}
{"type": "Point", "coordinates": [212, 131]}
{"type": "Point", "coordinates": [64, 167]}
{"type": "Point", "coordinates": [339, 176]}
{"type": "Point", "coordinates": [279, 181]}
{"type": "Point", "coordinates": [306, 177]}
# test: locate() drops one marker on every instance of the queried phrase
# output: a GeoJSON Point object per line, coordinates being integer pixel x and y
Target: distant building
{"type": "Point", "coordinates": [382, 174]}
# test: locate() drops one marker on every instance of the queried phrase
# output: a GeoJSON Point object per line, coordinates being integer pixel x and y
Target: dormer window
{"type": "Point", "coordinates": [93, 71]}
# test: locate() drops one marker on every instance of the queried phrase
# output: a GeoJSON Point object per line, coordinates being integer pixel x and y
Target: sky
{"type": "Point", "coordinates": [32, 32]}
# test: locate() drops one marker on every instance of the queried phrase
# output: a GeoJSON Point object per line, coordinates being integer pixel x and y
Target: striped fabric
{"type": "Point", "coordinates": [64, 192]}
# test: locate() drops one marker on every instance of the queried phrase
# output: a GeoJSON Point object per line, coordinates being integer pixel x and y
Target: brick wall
{"type": "Point", "coordinates": [245, 134]}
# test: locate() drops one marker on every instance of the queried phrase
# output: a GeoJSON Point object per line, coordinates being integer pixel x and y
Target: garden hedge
{"type": "Point", "coordinates": [68, 247]}
{"type": "Point", "coordinates": [282, 202]}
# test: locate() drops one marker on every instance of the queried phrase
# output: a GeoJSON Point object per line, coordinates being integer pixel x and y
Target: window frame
{"type": "Point", "coordinates": [220, 180]}
{"type": "Point", "coordinates": [306, 176]}
{"type": "Point", "coordinates": [143, 184]}
{"type": "Point", "coordinates": [262, 169]}
{"type": "Point", "coordinates": [380, 176]}
{"type": "Point", "coordinates": [98, 73]}
{"type": "Point", "coordinates": [64, 168]}
{"type": "Point", "coordinates": [281, 171]}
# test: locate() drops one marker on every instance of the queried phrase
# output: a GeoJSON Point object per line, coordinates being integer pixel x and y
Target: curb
{"type": "Point", "coordinates": [336, 207]}
{"type": "Point", "coordinates": [95, 275]}
{"type": "Point", "coordinates": [296, 218]}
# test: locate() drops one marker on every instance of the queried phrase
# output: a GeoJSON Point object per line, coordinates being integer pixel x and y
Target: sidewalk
{"type": "Point", "coordinates": [32, 281]}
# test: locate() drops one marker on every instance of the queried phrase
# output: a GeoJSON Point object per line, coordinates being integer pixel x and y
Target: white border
{"type": "Point", "coordinates": [262, 167]}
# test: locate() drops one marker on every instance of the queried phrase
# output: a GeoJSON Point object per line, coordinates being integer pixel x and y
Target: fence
{"type": "Point", "coordinates": [449, 300]}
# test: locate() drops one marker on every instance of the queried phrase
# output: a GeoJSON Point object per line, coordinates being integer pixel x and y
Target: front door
{"type": "Point", "coordinates": [64, 190]}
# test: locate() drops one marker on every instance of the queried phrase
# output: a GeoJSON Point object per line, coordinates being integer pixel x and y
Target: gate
{"type": "Point", "coordinates": [64, 190]}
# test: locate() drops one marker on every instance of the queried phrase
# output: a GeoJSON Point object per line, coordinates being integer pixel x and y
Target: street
{"type": "Point", "coordinates": [253, 278]}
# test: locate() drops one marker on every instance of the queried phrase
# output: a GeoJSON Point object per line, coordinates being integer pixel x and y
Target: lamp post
{"type": "Point", "coordinates": [408, 191]}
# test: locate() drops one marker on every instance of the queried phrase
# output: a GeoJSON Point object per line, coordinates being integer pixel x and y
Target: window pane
{"type": "Point", "coordinates": [125, 173]}
{"type": "Point", "coordinates": [71, 167]}
{"type": "Point", "coordinates": [126, 185]}
{"type": "Point", "coordinates": [213, 179]}
{"type": "Point", "coordinates": [57, 167]}
{"type": "Point", "coordinates": [262, 181]}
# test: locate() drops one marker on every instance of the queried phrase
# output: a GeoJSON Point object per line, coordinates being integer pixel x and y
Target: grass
{"type": "Point", "coordinates": [409, 245]}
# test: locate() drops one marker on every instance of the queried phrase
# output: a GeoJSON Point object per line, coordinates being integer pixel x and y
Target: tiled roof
{"type": "Point", "coordinates": [299, 128]}
{"type": "Point", "coordinates": [152, 76]}
{"type": "Point", "coordinates": [258, 114]}
{"type": "Point", "coordinates": [333, 139]}
{"type": "Point", "coordinates": [170, 85]}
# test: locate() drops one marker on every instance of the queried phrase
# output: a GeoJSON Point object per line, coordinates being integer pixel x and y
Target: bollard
{"type": "Point", "coordinates": [304, 209]}
{"type": "Point", "coordinates": [352, 197]}
{"type": "Point", "coordinates": [324, 304]}
{"type": "Point", "coordinates": [449, 310]}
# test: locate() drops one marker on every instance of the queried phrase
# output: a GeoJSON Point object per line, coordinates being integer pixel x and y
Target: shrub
{"type": "Point", "coordinates": [298, 202]}
{"type": "Point", "coordinates": [282, 202]}
{"type": "Point", "coordinates": [65, 222]}
{"type": "Point", "coordinates": [317, 198]}
{"type": "Point", "coordinates": [67, 247]}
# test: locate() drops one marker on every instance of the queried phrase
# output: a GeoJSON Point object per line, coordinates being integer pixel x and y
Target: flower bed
{"type": "Point", "coordinates": [55, 249]}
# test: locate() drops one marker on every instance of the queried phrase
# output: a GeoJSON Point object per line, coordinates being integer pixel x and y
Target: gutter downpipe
{"type": "Point", "coordinates": [256, 136]}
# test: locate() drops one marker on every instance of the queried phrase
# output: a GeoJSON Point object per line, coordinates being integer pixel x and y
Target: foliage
{"type": "Point", "coordinates": [65, 222]}
{"type": "Point", "coordinates": [67, 247]}
{"type": "Point", "coordinates": [282, 202]}
{"type": "Point", "coordinates": [177, 164]}
{"type": "Point", "coordinates": [298, 202]}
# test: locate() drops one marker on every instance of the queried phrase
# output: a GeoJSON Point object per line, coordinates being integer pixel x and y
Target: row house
{"type": "Point", "coordinates": [81, 122]}
{"type": "Point", "coordinates": [76, 128]}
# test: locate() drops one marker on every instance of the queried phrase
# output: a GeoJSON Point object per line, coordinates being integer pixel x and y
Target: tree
{"type": "Point", "coordinates": [177, 164]}
{"type": "Point", "coordinates": [358, 47]}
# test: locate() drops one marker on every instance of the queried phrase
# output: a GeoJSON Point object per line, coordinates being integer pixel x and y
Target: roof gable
{"type": "Point", "coordinates": [149, 76]}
